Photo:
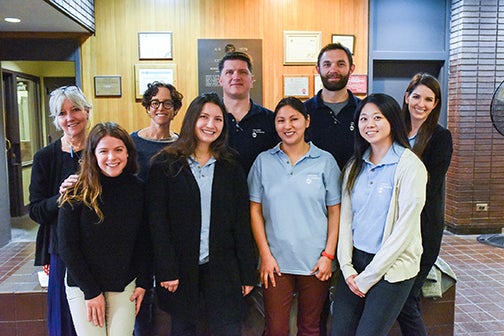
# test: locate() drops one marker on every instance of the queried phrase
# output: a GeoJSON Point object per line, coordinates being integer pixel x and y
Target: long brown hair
{"type": "Point", "coordinates": [88, 189]}
{"type": "Point", "coordinates": [186, 144]}
{"type": "Point", "coordinates": [427, 129]}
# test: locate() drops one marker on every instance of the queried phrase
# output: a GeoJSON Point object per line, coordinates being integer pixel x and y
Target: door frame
{"type": "Point", "coordinates": [5, 219]}
{"type": "Point", "coordinates": [12, 133]}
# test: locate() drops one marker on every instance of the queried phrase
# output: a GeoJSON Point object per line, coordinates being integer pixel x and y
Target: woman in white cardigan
{"type": "Point", "coordinates": [379, 245]}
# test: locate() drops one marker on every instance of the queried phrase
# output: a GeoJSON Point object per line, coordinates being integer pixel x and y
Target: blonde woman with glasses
{"type": "Point", "coordinates": [53, 171]}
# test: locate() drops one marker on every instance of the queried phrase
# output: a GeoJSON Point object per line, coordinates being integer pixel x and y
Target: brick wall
{"type": "Point", "coordinates": [81, 11]}
{"type": "Point", "coordinates": [476, 174]}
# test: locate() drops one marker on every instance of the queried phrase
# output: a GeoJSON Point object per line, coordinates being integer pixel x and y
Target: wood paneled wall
{"type": "Point", "coordinates": [113, 50]}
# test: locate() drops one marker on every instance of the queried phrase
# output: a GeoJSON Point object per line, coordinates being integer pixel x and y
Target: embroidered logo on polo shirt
{"type": "Point", "coordinates": [311, 177]}
{"type": "Point", "coordinates": [256, 131]}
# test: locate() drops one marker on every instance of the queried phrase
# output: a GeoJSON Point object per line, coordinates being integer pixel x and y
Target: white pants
{"type": "Point", "coordinates": [119, 312]}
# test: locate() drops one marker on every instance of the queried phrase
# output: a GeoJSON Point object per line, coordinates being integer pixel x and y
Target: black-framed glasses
{"type": "Point", "coordinates": [167, 104]}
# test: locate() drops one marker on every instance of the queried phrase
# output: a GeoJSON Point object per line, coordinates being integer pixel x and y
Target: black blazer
{"type": "Point", "coordinates": [174, 212]}
{"type": "Point", "coordinates": [49, 170]}
{"type": "Point", "coordinates": [436, 158]}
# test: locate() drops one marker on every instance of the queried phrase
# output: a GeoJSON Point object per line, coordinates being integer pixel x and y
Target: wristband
{"type": "Point", "coordinates": [327, 255]}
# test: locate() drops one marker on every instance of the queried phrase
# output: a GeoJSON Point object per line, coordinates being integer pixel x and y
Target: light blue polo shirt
{"type": "Point", "coordinates": [294, 201]}
{"type": "Point", "coordinates": [371, 197]}
{"type": "Point", "coordinates": [412, 140]}
{"type": "Point", "coordinates": [204, 177]}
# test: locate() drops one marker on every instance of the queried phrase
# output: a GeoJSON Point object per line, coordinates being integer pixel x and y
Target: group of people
{"type": "Point", "coordinates": [244, 198]}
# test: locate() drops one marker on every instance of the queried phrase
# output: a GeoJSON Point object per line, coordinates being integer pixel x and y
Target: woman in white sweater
{"type": "Point", "coordinates": [379, 246]}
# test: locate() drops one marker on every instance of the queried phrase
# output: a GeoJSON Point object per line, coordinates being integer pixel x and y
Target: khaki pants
{"type": "Point", "coordinates": [119, 312]}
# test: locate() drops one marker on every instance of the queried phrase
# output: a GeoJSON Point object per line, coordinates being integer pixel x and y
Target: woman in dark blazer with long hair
{"type": "Point", "coordinates": [197, 200]}
{"type": "Point", "coordinates": [433, 144]}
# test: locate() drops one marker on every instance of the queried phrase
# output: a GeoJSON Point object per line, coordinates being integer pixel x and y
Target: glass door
{"type": "Point", "coordinates": [23, 133]}
{"type": "Point", "coordinates": [29, 128]}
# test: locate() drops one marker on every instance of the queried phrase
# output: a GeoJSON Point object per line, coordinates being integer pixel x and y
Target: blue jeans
{"type": "Point", "coordinates": [59, 319]}
{"type": "Point", "coordinates": [373, 315]}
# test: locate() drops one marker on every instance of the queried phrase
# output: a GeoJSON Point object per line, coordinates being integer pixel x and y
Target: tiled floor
{"type": "Point", "coordinates": [13, 256]}
{"type": "Point", "coordinates": [479, 304]}
{"type": "Point", "coordinates": [24, 307]}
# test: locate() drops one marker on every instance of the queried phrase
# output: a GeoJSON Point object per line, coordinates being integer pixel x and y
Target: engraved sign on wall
{"type": "Point", "coordinates": [211, 51]}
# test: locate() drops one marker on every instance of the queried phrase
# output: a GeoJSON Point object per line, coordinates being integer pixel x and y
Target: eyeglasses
{"type": "Point", "coordinates": [167, 104]}
{"type": "Point", "coordinates": [64, 89]}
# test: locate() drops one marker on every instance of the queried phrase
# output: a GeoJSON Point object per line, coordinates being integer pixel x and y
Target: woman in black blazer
{"type": "Point", "coordinates": [433, 144]}
{"type": "Point", "coordinates": [197, 203]}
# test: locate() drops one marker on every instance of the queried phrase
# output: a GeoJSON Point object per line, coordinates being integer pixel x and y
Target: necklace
{"type": "Point", "coordinates": [71, 147]}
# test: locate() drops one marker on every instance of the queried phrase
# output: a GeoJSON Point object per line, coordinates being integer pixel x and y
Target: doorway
{"type": "Point", "coordinates": [27, 129]}
{"type": "Point", "coordinates": [393, 77]}
{"type": "Point", "coordinates": [40, 57]}
{"type": "Point", "coordinates": [23, 133]}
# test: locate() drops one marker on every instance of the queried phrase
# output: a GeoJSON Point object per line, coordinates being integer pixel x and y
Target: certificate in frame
{"type": "Point", "coordinates": [357, 84]}
{"type": "Point", "coordinates": [148, 73]}
{"type": "Point", "coordinates": [317, 84]}
{"type": "Point", "coordinates": [301, 47]}
{"type": "Point", "coordinates": [155, 45]}
{"type": "Point", "coordinates": [107, 86]}
{"type": "Point", "coordinates": [296, 86]}
{"type": "Point", "coordinates": [346, 40]}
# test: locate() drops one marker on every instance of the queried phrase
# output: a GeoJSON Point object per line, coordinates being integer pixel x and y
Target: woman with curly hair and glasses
{"type": "Point", "coordinates": [162, 102]}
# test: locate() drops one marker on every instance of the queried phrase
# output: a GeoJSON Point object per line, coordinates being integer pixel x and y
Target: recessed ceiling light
{"type": "Point", "coordinates": [12, 20]}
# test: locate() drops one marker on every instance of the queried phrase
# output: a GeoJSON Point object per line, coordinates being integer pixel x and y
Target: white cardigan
{"type": "Point", "coordinates": [399, 256]}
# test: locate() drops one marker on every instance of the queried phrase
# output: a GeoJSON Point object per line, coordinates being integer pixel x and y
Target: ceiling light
{"type": "Point", "coordinates": [12, 20]}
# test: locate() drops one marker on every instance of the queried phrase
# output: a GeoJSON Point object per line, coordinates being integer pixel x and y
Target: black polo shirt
{"type": "Point", "coordinates": [334, 134]}
{"type": "Point", "coordinates": [254, 134]}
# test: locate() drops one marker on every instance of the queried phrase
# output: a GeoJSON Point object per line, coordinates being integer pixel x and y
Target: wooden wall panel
{"type": "Point", "coordinates": [113, 50]}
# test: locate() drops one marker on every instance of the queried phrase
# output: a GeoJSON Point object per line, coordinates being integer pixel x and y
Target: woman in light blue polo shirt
{"type": "Point", "coordinates": [379, 245]}
{"type": "Point", "coordinates": [295, 201]}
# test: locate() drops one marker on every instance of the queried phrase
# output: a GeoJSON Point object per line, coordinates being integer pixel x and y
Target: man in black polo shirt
{"type": "Point", "coordinates": [251, 126]}
{"type": "Point", "coordinates": [332, 109]}
{"type": "Point", "coordinates": [331, 117]}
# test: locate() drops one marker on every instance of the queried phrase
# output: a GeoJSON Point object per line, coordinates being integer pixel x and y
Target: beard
{"type": "Point", "coordinates": [335, 86]}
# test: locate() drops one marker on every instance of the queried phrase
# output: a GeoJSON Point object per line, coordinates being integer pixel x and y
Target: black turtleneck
{"type": "Point", "coordinates": [105, 257]}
